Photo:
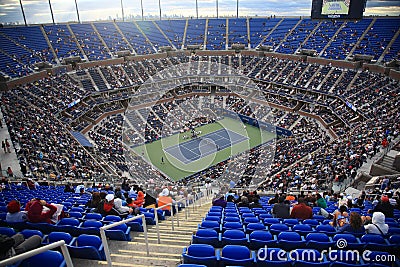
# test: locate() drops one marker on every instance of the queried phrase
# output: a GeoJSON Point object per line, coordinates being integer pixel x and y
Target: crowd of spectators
{"type": "Point", "coordinates": [306, 161]}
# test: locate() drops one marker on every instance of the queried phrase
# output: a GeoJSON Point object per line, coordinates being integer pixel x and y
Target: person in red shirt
{"type": "Point", "coordinates": [37, 214]}
{"type": "Point", "coordinates": [301, 211]}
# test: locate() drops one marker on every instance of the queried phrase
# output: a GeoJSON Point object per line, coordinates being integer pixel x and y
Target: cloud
{"type": "Point", "coordinates": [64, 10]}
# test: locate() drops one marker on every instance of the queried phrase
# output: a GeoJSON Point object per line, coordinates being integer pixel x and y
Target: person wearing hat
{"type": "Point", "coordinates": [378, 225]}
{"type": "Point", "coordinates": [385, 207]}
{"type": "Point", "coordinates": [106, 206]}
{"type": "Point", "coordinates": [14, 213]}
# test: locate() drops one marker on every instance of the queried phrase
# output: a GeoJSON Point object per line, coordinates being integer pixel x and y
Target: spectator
{"type": "Point", "coordinates": [244, 202]}
{"type": "Point", "coordinates": [122, 210]}
{"type": "Point", "coordinates": [378, 225]}
{"type": "Point", "coordinates": [14, 213]}
{"type": "Point", "coordinates": [274, 200]}
{"type": "Point", "coordinates": [17, 244]}
{"type": "Point", "coordinates": [68, 188]}
{"type": "Point", "coordinates": [354, 226]}
{"type": "Point", "coordinates": [321, 201]}
{"type": "Point", "coordinates": [106, 206]}
{"type": "Point", "coordinates": [340, 217]}
{"type": "Point", "coordinates": [385, 207]}
{"type": "Point", "coordinates": [255, 204]}
{"type": "Point", "coordinates": [40, 211]}
{"type": "Point", "coordinates": [95, 201]}
{"type": "Point", "coordinates": [281, 209]}
{"type": "Point", "coordinates": [219, 201]}
{"type": "Point", "coordinates": [10, 172]}
{"type": "Point", "coordinates": [301, 210]}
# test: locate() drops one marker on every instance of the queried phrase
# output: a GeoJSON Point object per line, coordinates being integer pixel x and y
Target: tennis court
{"type": "Point", "coordinates": [178, 157]}
{"type": "Point", "coordinates": [204, 145]}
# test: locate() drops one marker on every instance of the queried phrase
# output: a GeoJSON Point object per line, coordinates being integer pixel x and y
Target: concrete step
{"type": "Point", "coordinates": [141, 246]}
{"type": "Point", "coordinates": [134, 260]}
{"type": "Point", "coordinates": [165, 240]}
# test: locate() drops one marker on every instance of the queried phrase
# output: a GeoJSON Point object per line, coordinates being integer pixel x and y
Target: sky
{"type": "Point", "coordinates": [38, 11]}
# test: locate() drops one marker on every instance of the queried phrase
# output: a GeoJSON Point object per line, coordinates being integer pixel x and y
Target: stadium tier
{"type": "Point", "coordinates": [195, 124]}
{"type": "Point", "coordinates": [376, 37]}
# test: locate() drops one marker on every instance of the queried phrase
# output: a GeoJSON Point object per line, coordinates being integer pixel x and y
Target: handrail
{"type": "Point", "coordinates": [36, 251]}
{"type": "Point", "coordinates": [177, 209]}
{"type": "Point", "coordinates": [157, 224]}
{"type": "Point", "coordinates": [104, 238]}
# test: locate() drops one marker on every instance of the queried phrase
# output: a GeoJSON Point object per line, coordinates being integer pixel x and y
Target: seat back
{"type": "Point", "coordinates": [348, 237]}
{"type": "Point", "coordinates": [234, 234]}
{"type": "Point", "coordinates": [260, 235]}
{"type": "Point", "coordinates": [57, 236]}
{"type": "Point", "coordinates": [88, 240]}
{"type": "Point", "coordinates": [235, 252]}
{"type": "Point", "coordinates": [319, 237]}
{"type": "Point", "coordinates": [91, 223]}
{"type": "Point", "coordinates": [372, 238]}
{"type": "Point", "coordinates": [206, 233]}
{"type": "Point", "coordinates": [201, 250]}
{"type": "Point", "coordinates": [46, 259]}
{"type": "Point", "coordinates": [69, 221]}
{"type": "Point", "coordinates": [7, 231]}
{"type": "Point", "coordinates": [93, 216]}
{"type": "Point", "coordinates": [29, 232]}
{"type": "Point", "coordinates": [289, 236]}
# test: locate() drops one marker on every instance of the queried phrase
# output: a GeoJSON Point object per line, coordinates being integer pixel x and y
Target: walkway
{"type": "Point", "coordinates": [8, 159]}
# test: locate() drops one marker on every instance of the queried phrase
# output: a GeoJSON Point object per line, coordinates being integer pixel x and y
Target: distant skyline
{"type": "Point", "coordinates": [38, 11]}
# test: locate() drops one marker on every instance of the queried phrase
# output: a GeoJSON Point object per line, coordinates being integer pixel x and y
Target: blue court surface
{"type": "Point", "coordinates": [204, 145]}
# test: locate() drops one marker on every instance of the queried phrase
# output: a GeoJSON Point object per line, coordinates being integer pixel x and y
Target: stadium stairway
{"type": "Point", "coordinates": [167, 253]}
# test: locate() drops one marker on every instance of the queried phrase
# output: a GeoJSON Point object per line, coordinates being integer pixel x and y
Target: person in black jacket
{"type": "Point", "coordinates": [385, 207]}
{"type": "Point", "coordinates": [281, 209]}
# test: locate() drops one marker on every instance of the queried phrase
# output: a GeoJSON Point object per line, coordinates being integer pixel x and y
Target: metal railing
{"type": "Point", "coordinates": [156, 218]}
{"type": "Point", "coordinates": [34, 252]}
{"type": "Point", "coordinates": [104, 238]}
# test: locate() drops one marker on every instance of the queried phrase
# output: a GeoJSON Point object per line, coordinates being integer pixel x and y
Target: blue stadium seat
{"type": "Point", "coordinates": [232, 225]}
{"type": "Point", "coordinates": [233, 255]}
{"type": "Point", "coordinates": [270, 221]}
{"type": "Point", "coordinates": [234, 237]}
{"type": "Point", "coordinates": [319, 241]}
{"type": "Point", "coordinates": [248, 220]}
{"type": "Point", "coordinates": [345, 258]}
{"type": "Point", "coordinates": [120, 232]}
{"type": "Point", "coordinates": [327, 229]}
{"type": "Point", "coordinates": [206, 236]}
{"type": "Point", "coordinates": [311, 222]}
{"type": "Point", "coordinates": [57, 236]}
{"type": "Point", "coordinates": [290, 240]}
{"type": "Point", "coordinates": [29, 232]}
{"type": "Point", "coordinates": [46, 259]}
{"type": "Point", "coordinates": [351, 242]}
{"type": "Point", "coordinates": [93, 216]}
{"type": "Point", "coordinates": [275, 229]}
{"type": "Point", "coordinates": [200, 254]}
{"type": "Point", "coordinates": [87, 247]}
{"type": "Point", "coordinates": [259, 239]}
{"type": "Point", "coordinates": [231, 219]}
{"type": "Point", "coordinates": [273, 257]}
{"type": "Point", "coordinates": [255, 226]}
{"type": "Point", "coordinates": [291, 222]}
{"type": "Point", "coordinates": [210, 225]}
{"type": "Point", "coordinates": [308, 257]}
{"type": "Point", "coordinates": [302, 229]}
{"type": "Point", "coordinates": [7, 231]}
{"type": "Point", "coordinates": [213, 218]}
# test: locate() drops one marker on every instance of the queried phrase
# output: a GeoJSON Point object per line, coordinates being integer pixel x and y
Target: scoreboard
{"type": "Point", "coordinates": [337, 9]}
